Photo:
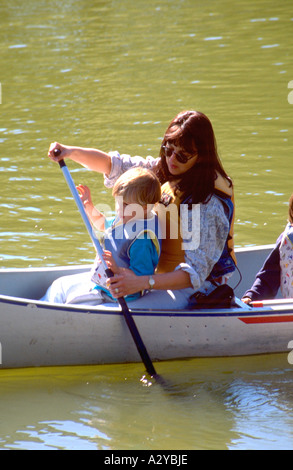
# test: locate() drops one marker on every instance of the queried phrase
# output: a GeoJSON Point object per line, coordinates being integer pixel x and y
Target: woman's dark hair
{"type": "Point", "coordinates": [193, 132]}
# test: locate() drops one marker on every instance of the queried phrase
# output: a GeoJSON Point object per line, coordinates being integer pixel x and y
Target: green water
{"type": "Point", "coordinates": [112, 75]}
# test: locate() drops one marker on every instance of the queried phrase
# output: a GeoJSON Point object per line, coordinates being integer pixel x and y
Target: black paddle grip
{"type": "Point", "coordinates": [57, 153]}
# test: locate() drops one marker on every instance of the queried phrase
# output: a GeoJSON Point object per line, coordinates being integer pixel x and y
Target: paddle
{"type": "Point", "coordinates": [128, 318]}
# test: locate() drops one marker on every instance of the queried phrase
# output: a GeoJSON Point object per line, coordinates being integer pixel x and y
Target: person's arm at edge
{"type": "Point", "coordinates": [267, 281]}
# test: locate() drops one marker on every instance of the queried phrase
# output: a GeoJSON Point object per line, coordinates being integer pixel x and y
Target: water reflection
{"type": "Point", "coordinates": [237, 403]}
{"type": "Point", "coordinates": [262, 414]}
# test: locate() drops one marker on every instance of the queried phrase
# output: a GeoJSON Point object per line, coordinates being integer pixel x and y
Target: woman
{"type": "Point", "coordinates": [193, 182]}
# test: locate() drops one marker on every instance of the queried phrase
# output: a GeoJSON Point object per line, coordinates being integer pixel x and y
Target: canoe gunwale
{"type": "Point", "coordinates": [239, 311]}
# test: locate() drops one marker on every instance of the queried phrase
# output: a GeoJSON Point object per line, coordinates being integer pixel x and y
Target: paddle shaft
{"type": "Point", "coordinates": [128, 318]}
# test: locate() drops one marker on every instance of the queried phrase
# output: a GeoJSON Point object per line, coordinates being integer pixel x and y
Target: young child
{"type": "Point", "coordinates": [277, 271]}
{"type": "Point", "coordinates": [132, 239]}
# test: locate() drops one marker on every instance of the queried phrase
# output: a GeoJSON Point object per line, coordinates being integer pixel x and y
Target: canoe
{"type": "Point", "coordinates": [35, 333]}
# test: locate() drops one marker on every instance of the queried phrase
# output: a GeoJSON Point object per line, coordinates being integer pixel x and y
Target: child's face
{"type": "Point", "coordinates": [129, 210]}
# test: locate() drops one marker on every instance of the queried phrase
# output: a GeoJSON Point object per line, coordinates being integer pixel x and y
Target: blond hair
{"type": "Point", "coordinates": [138, 185]}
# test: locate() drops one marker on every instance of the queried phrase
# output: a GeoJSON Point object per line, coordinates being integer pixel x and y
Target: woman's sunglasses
{"type": "Point", "coordinates": [180, 157]}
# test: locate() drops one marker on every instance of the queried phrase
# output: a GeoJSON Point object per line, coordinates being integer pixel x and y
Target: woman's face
{"type": "Point", "coordinates": [177, 160]}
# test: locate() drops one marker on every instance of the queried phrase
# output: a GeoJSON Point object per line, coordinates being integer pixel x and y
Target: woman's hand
{"type": "Point", "coordinates": [126, 283]}
{"type": "Point", "coordinates": [64, 152]}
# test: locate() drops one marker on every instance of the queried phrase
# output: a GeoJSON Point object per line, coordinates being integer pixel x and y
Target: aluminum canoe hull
{"type": "Point", "coordinates": [34, 333]}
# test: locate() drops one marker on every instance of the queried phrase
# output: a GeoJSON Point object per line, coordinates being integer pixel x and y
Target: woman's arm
{"type": "Point", "coordinates": [93, 159]}
{"type": "Point", "coordinates": [129, 283]}
{"type": "Point", "coordinates": [123, 162]}
{"type": "Point", "coordinates": [143, 261]}
{"type": "Point", "coordinates": [213, 232]}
